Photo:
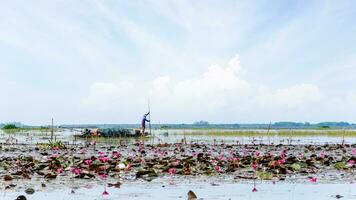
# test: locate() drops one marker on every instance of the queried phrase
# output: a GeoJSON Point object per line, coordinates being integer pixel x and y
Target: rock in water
{"type": "Point", "coordinates": [191, 195]}
{"type": "Point", "coordinates": [21, 197]}
{"type": "Point", "coordinates": [30, 191]}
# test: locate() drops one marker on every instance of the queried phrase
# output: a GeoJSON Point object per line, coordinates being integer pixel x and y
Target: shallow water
{"type": "Point", "coordinates": [177, 187]}
{"type": "Point", "coordinates": [68, 136]}
{"type": "Point", "coordinates": [204, 190]}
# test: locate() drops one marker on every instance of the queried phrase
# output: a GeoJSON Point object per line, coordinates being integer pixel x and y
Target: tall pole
{"type": "Point", "coordinates": [52, 130]}
{"type": "Point", "coordinates": [149, 110]}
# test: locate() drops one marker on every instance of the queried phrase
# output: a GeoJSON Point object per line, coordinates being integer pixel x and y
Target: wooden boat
{"type": "Point", "coordinates": [112, 132]}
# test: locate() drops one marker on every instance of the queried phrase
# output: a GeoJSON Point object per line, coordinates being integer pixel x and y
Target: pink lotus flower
{"type": "Point", "coordinates": [281, 161]}
{"type": "Point", "coordinates": [116, 155]}
{"type": "Point", "coordinates": [254, 189]}
{"type": "Point", "coordinates": [105, 193]}
{"type": "Point", "coordinates": [301, 155]}
{"type": "Point", "coordinates": [244, 152]}
{"type": "Point", "coordinates": [220, 157]}
{"type": "Point", "coordinates": [313, 179]}
{"type": "Point", "coordinates": [83, 151]}
{"type": "Point", "coordinates": [76, 171]}
{"type": "Point", "coordinates": [87, 162]}
{"type": "Point", "coordinates": [217, 168]}
{"type": "Point", "coordinates": [175, 162]}
{"type": "Point", "coordinates": [55, 155]}
{"type": "Point", "coordinates": [350, 163]}
{"type": "Point", "coordinates": [213, 162]}
{"type": "Point", "coordinates": [101, 153]}
{"type": "Point", "coordinates": [172, 171]}
{"type": "Point", "coordinates": [129, 166]}
{"type": "Point", "coordinates": [283, 153]}
{"type": "Point", "coordinates": [231, 152]}
{"type": "Point", "coordinates": [56, 148]}
{"type": "Point", "coordinates": [354, 152]}
{"type": "Point", "coordinates": [209, 152]}
{"type": "Point", "coordinates": [60, 170]}
{"type": "Point", "coordinates": [322, 155]}
{"type": "Point", "coordinates": [104, 159]}
{"type": "Point", "coordinates": [254, 166]}
{"type": "Point", "coordinates": [257, 153]}
{"type": "Point", "coordinates": [103, 176]}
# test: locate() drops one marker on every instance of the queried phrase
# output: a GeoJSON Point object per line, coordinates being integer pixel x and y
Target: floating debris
{"type": "Point", "coordinates": [192, 196]}
{"type": "Point", "coordinates": [30, 191]}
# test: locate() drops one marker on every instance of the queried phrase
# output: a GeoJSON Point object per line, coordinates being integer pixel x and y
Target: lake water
{"type": "Point", "coordinates": [176, 187]}
{"type": "Point", "coordinates": [258, 137]}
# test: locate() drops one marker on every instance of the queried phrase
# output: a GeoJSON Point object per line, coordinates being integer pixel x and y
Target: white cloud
{"type": "Point", "coordinates": [218, 91]}
{"type": "Point", "coordinates": [288, 98]}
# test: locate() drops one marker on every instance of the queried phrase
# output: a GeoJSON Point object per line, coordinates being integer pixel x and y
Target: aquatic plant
{"type": "Point", "coordinates": [56, 145]}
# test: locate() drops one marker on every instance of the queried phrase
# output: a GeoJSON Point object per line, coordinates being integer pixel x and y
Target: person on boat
{"type": "Point", "coordinates": [143, 123]}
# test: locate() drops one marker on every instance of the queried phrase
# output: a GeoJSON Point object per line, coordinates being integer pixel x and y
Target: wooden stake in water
{"type": "Point", "coordinates": [52, 130]}
{"type": "Point", "coordinates": [269, 137]}
{"type": "Point", "coordinates": [149, 116]}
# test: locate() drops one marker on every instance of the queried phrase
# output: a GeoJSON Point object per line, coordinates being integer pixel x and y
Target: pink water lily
{"type": "Point", "coordinates": [254, 189]}
{"type": "Point", "coordinates": [257, 153]}
{"type": "Point", "coordinates": [60, 170]}
{"type": "Point", "coordinates": [213, 162]}
{"type": "Point", "coordinates": [105, 193]}
{"type": "Point", "coordinates": [313, 179]}
{"type": "Point", "coordinates": [350, 163]}
{"type": "Point", "coordinates": [301, 155]}
{"type": "Point", "coordinates": [93, 143]}
{"type": "Point", "coordinates": [76, 171]}
{"type": "Point", "coordinates": [283, 153]}
{"type": "Point", "coordinates": [354, 152]}
{"type": "Point", "coordinates": [129, 167]}
{"type": "Point", "coordinates": [87, 162]}
{"type": "Point", "coordinates": [103, 176]}
{"type": "Point", "coordinates": [220, 157]}
{"type": "Point", "coordinates": [55, 148]}
{"type": "Point", "coordinates": [217, 168]}
{"type": "Point", "coordinates": [116, 154]}
{"type": "Point", "coordinates": [175, 162]}
{"type": "Point", "coordinates": [83, 151]}
{"type": "Point", "coordinates": [254, 166]}
{"type": "Point", "coordinates": [322, 155]}
{"type": "Point", "coordinates": [231, 152]}
{"type": "Point", "coordinates": [281, 161]}
{"type": "Point", "coordinates": [172, 171]}
{"type": "Point", "coordinates": [104, 159]}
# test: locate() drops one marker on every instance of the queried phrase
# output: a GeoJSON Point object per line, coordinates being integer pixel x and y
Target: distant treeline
{"type": "Point", "coordinates": [206, 125]}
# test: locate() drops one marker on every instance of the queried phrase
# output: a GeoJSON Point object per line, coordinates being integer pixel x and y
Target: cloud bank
{"type": "Point", "coordinates": [218, 91]}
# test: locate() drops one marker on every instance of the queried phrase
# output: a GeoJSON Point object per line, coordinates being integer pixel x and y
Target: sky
{"type": "Point", "coordinates": [103, 61]}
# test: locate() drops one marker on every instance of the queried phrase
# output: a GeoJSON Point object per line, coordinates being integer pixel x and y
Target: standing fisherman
{"type": "Point", "coordinates": [143, 123]}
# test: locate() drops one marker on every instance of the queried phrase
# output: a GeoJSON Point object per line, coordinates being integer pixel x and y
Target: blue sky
{"type": "Point", "coordinates": [221, 61]}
